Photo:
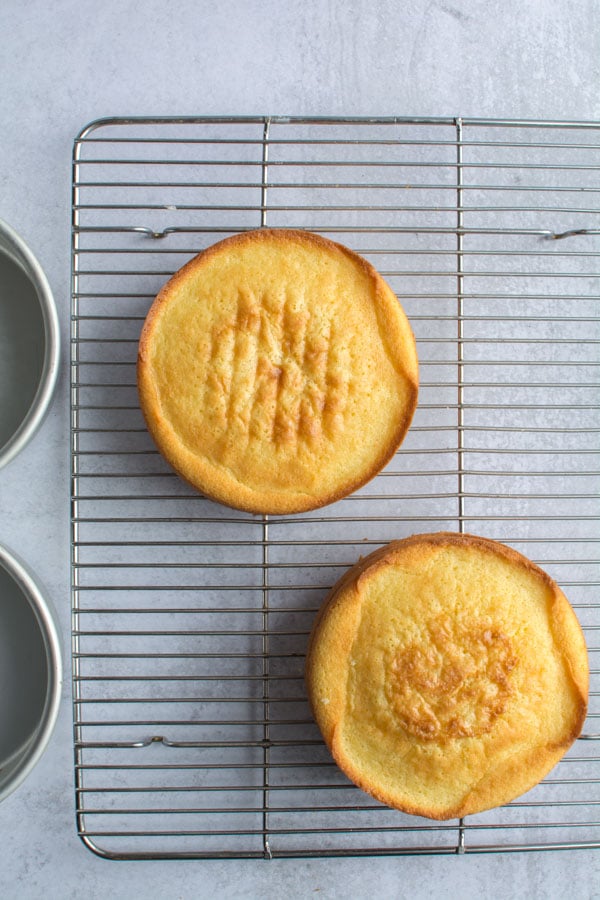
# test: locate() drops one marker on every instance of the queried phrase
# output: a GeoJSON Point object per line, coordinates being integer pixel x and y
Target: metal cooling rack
{"type": "Point", "coordinates": [192, 733]}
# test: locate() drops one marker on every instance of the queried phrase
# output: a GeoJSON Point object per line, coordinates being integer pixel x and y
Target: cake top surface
{"type": "Point", "coordinates": [448, 674]}
{"type": "Point", "coordinates": [277, 371]}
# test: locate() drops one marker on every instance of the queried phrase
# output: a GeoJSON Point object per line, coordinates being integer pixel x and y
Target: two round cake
{"type": "Point", "coordinates": [277, 371]}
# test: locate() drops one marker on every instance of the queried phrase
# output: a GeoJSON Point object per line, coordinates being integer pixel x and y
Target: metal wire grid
{"type": "Point", "coordinates": [192, 733]}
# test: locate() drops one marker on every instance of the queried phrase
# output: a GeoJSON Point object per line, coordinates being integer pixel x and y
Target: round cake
{"type": "Point", "coordinates": [448, 674]}
{"type": "Point", "coordinates": [277, 371]}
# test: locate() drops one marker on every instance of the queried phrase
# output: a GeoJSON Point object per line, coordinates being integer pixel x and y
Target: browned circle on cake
{"type": "Point", "coordinates": [277, 371]}
{"type": "Point", "coordinates": [448, 674]}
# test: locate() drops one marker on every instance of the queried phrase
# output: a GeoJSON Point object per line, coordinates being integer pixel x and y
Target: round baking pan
{"type": "Point", "coordinates": [29, 344]}
{"type": "Point", "coordinates": [30, 672]}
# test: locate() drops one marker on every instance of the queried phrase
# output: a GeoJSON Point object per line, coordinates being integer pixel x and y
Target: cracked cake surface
{"type": "Point", "coordinates": [448, 674]}
{"type": "Point", "coordinates": [277, 371]}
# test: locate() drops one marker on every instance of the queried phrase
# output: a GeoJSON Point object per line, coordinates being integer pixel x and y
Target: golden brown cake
{"type": "Point", "coordinates": [277, 371]}
{"type": "Point", "coordinates": [448, 674]}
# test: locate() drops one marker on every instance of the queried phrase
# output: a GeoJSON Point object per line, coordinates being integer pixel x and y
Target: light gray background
{"type": "Point", "coordinates": [65, 62]}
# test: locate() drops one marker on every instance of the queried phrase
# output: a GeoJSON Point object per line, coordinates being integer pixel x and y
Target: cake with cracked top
{"type": "Point", "coordinates": [277, 371]}
{"type": "Point", "coordinates": [448, 674]}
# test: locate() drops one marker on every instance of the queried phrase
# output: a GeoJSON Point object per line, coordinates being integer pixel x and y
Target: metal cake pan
{"type": "Point", "coordinates": [29, 344]}
{"type": "Point", "coordinates": [30, 672]}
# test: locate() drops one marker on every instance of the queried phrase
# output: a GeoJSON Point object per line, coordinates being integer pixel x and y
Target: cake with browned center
{"type": "Point", "coordinates": [448, 674]}
{"type": "Point", "coordinates": [277, 371]}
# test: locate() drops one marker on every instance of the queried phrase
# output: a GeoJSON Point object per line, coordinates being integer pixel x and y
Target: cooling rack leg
{"type": "Point", "coordinates": [460, 847]}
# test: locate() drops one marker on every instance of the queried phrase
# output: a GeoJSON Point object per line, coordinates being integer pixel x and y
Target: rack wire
{"type": "Point", "coordinates": [192, 733]}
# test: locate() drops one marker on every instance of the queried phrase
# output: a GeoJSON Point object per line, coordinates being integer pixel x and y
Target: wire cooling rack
{"type": "Point", "coordinates": [192, 733]}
